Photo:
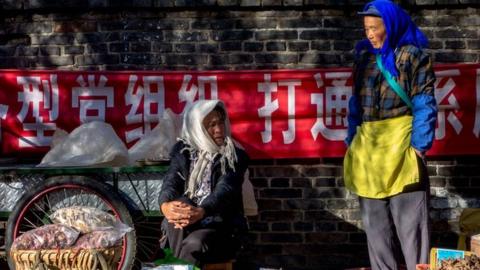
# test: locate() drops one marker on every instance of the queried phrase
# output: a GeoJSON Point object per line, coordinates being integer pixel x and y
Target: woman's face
{"type": "Point", "coordinates": [375, 31]}
{"type": "Point", "coordinates": [215, 126]}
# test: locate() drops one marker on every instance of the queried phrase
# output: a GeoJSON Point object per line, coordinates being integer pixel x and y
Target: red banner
{"type": "Point", "coordinates": [274, 114]}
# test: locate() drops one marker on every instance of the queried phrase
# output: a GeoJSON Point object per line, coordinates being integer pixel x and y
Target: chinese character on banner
{"type": "Point", "coordinates": [189, 90]}
{"type": "Point", "coordinates": [268, 87]}
{"type": "Point", "coordinates": [476, 127]}
{"type": "Point", "coordinates": [38, 92]}
{"type": "Point", "coordinates": [444, 86]}
{"type": "Point", "coordinates": [332, 106]}
{"type": "Point", "coordinates": [152, 92]}
{"type": "Point", "coordinates": [92, 98]}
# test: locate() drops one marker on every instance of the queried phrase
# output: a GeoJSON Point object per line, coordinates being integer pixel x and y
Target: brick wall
{"type": "Point", "coordinates": [307, 219]}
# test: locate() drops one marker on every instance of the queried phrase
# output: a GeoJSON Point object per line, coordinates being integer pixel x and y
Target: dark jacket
{"type": "Point", "coordinates": [226, 197]}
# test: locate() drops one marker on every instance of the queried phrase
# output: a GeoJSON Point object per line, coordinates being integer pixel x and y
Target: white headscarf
{"type": "Point", "coordinates": [196, 136]}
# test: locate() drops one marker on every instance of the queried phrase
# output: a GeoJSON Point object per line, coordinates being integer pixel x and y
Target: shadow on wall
{"type": "Point", "coordinates": [306, 218]}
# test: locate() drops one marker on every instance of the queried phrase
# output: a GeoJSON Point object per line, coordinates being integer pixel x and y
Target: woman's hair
{"type": "Point", "coordinates": [221, 111]}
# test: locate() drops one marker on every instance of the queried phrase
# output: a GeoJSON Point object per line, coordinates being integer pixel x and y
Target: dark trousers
{"type": "Point", "coordinates": [198, 245]}
{"type": "Point", "coordinates": [405, 215]}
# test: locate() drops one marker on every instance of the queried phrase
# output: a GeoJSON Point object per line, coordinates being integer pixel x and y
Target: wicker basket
{"type": "Point", "coordinates": [67, 259]}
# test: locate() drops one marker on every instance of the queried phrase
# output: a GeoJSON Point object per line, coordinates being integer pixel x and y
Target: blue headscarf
{"type": "Point", "coordinates": [400, 31]}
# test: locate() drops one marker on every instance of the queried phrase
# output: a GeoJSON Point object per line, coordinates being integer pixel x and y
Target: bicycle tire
{"type": "Point", "coordinates": [69, 185]}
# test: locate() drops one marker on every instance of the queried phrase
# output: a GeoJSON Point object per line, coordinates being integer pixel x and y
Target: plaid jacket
{"type": "Point", "coordinates": [377, 100]}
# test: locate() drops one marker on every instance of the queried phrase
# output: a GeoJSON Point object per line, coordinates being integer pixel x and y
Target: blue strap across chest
{"type": "Point", "coordinates": [393, 84]}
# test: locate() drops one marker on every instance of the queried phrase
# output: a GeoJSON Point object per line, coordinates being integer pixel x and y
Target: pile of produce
{"type": "Point", "coordinates": [468, 263]}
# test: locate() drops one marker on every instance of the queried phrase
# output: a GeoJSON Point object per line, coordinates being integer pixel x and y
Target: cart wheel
{"type": "Point", "coordinates": [36, 205]}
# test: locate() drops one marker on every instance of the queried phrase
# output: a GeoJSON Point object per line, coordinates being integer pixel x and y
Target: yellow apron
{"type": "Point", "coordinates": [380, 161]}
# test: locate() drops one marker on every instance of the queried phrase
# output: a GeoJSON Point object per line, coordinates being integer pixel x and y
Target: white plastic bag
{"type": "Point", "coordinates": [87, 219]}
{"type": "Point", "coordinates": [91, 144]}
{"type": "Point", "coordinates": [157, 144]}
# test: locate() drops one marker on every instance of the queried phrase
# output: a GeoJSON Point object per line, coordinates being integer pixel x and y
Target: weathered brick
{"type": "Point", "coordinates": [330, 237]}
{"type": "Point", "coordinates": [320, 34]}
{"type": "Point", "coordinates": [259, 182]}
{"type": "Point", "coordinates": [53, 61]}
{"type": "Point", "coordinates": [228, 2]}
{"type": "Point", "coordinates": [258, 226]}
{"type": "Point", "coordinates": [280, 216]}
{"type": "Point", "coordinates": [447, 2]}
{"type": "Point", "coordinates": [456, 33]}
{"type": "Point", "coordinates": [184, 47]}
{"type": "Point", "coordinates": [322, 171]}
{"type": "Point", "coordinates": [303, 204]}
{"type": "Point", "coordinates": [301, 23]}
{"type": "Point", "coordinates": [186, 59]}
{"type": "Point", "coordinates": [438, 181]}
{"type": "Point", "coordinates": [319, 215]}
{"type": "Point", "coordinates": [321, 45]}
{"type": "Point", "coordinates": [272, 204]}
{"type": "Point", "coordinates": [63, 27]}
{"type": "Point", "coordinates": [301, 182]}
{"type": "Point", "coordinates": [325, 182]}
{"type": "Point", "coordinates": [163, 3]}
{"type": "Point", "coordinates": [336, 204]}
{"type": "Point", "coordinates": [255, 23]}
{"type": "Point", "coordinates": [162, 47]}
{"type": "Point", "coordinates": [303, 226]}
{"type": "Point", "coordinates": [232, 35]}
{"type": "Point", "coordinates": [54, 39]}
{"type": "Point", "coordinates": [140, 46]}
{"type": "Point", "coordinates": [325, 193]}
{"type": "Point", "coordinates": [283, 171]}
{"type": "Point", "coordinates": [298, 46]}
{"type": "Point", "coordinates": [281, 193]}
{"type": "Point", "coordinates": [49, 50]}
{"type": "Point", "coordinates": [425, 2]}
{"type": "Point", "coordinates": [292, 2]}
{"type": "Point", "coordinates": [119, 47]}
{"type": "Point", "coordinates": [324, 226]}
{"type": "Point", "coordinates": [97, 3]}
{"type": "Point", "coordinates": [276, 34]}
{"type": "Point", "coordinates": [276, 58]}
{"type": "Point", "coordinates": [97, 59]}
{"type": "Point", "coordinates": [343, 45]}
{"type": "Point", "coordinates": [276, 46]}
{"type": "Point", "coordinates": [21, 51]}
{"type": "Point", "coordinates": [231, 46]}
{"type": "Point", "coordinates": [253, 46]}
{"type": "Point", "coordinates": [97, 48]}
{"type": "Point", "coordinates": [208, 48]}
{"type": "Point", "coordinates": [280, 182]}
{"type": "Point", "coordinates": [281, 227]}
{"type": "Point", "coordinates": [269, 3]}
{"type": "Point", "coordinates": [139, 36]}
{"type": "Point", "coordinates": [250, 3]}
{"type": "Point", "coordinates": [281, 237]}
{"type": "Point", "coordinates": [213, 24]}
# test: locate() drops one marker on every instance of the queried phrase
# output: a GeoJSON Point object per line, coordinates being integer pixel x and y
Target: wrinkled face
{"type": "Point", "coordinates": [375, 31]}
{"type": "Point", "coordinates": [215, 126]}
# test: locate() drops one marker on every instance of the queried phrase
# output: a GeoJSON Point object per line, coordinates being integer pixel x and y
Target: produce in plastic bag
{"type": "Point", "coordinates": [86, 219]}
{"type": "Point", "coordinates": [100, 239]}
{"type": "Point", "coordinates": [50, 236]}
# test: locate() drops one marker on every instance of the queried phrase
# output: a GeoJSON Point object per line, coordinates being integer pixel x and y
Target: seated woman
{"type": "Point", "coordinates": [201, 196]}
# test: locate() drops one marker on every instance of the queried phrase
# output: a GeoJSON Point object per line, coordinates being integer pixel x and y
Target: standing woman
{"type": "Point", "coordinates": [391, 124]}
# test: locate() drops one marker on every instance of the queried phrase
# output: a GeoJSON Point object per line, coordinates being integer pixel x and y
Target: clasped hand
{"type": "Point", "coordinates": [181, 214]}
